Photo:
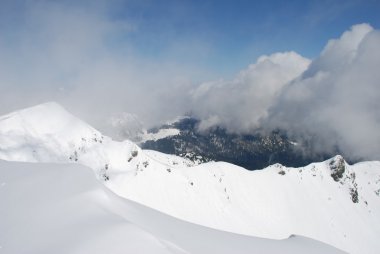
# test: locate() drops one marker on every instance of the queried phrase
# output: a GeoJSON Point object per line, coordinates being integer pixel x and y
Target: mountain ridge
{"type": "Point", "coordinates": [330, 201]}
{"type": "Point", "coordinates": [253, 151]}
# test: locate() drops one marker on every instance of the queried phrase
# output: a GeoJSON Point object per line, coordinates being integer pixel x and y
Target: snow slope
{"type": "Point", "coordinates": [330, 201]}
{"type": "Point", "coordinates": [51, 208]}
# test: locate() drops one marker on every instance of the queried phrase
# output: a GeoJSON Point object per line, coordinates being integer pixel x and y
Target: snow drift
{"type": "Point", "coordinates": [51, 208]}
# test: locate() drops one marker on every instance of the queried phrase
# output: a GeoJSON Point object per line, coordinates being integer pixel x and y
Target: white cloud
{"type": "Point", "coordinates": [337, 99]}
{"type": "Point", "coordinates": [332, 103]}
{"type": "Point", "coordinates": [239, 104]}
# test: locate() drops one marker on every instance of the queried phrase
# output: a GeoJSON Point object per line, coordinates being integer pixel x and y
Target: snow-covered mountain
{"type": "Point", "coordinates": [256, 150]}
{"type": "Point", "coordinates": [331, 201]}
{"type": "Point", "coordinates": [52, 208]}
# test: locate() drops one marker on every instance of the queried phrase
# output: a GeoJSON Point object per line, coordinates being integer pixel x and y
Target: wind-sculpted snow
{"type": "Point", "coordinates": [51, 208]}
{"type": "Point", "coordinates": [331, 201]}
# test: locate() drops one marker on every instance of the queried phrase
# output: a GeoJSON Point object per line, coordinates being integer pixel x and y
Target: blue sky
{"type": "Point", "coordinates": [229, 35]}
{"type": "Point", "coordinates": [221, 37]}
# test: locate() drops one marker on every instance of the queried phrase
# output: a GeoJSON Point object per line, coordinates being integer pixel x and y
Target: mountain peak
{"type": "Point", "coordinates": [46, 118]}
{"type": "Point", "coordinates": [46, 132]}
{"type": "Point", "coordinates": [50, 107]}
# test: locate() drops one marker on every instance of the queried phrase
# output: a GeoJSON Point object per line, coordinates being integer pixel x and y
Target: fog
{"type": "Point", "coordinates": [81, 56]}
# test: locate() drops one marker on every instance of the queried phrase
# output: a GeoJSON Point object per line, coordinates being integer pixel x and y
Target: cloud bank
{"type": "Point", "coordinates": [331, 103]}
{"type": "Point", "coordinates": [337, 99]}
{"type": "Point", "coordinates": [239, 104]}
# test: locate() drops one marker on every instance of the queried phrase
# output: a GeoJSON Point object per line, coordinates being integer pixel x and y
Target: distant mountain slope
{"type": "Point", "coordinates": [254, 151]}
{"type": "Point", "coordinates": [50, 208]}
{"type": "Point", "coordinates": [331, 201]}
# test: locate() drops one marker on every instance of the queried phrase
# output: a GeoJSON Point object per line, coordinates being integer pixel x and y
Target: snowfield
{"type": "Point", "coordinates": [331, 201]}
{"type": "Point", "coordinates": [52, 208]}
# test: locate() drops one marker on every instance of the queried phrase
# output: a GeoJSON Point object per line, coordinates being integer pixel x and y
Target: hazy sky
{"type": "Point", "coordinates": [231, 63]}
{"type": "Point", "coordinates": [220, 36]}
